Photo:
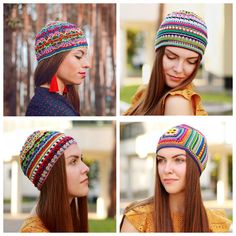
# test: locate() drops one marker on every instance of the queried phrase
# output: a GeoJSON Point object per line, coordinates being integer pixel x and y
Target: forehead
{"type": "Point", "coordinates": [79, 50]}
{"type": "Point", "coordinates": [171, 151]}
{"type": "Point", "coordinates": [181, 52]}
{"type": "Point", "coordinates": [73, 149]}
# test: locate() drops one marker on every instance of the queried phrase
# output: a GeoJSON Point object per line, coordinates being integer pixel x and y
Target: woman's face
{"type": "Point", "coordinates": [73, 69]}
{"type": "Point", "coordinates": [76, 172]}
{"type": "Point", "coordinates": [172, 169]}
{"type": "Point", "coordinates": [178, 65]}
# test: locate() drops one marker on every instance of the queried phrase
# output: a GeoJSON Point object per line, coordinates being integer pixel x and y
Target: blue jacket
{"type": "Point", "coordinates": [45, 103]}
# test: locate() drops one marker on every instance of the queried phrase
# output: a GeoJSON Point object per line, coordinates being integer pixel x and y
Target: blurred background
{"type": "Point", "coordinates": [96, 139]}
{"type": "Point", "coordinates": [139, 24]}
{"type": "Point", "coordinates": [137, 160]}
{"type": "Point", "coordinates": [23, 21]}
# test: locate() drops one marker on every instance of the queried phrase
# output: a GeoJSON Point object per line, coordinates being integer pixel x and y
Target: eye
{"type": "Point", "coordinates": [74, 161]}
{"type": "Point", "coordinates": [161, 160]}
{"type": "Point", "coordinates": [193, 62]}
{"type": "Point", "coordinates": [179, 160]}
{"type": "Point", "coordinates": [171, 57]}
{"type": "Point", "coordinates": [78, 57]}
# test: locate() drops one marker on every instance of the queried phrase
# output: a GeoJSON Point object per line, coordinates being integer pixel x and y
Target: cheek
{"type": "Point", "coordinates": [68, 66]}
{"type": "Point", "coordinates": [160, 170]}
{"type": "Point", "coordinates": [73, 175]}
{"type": "Point", "coordinates": [181, 170]}
{"type": "Point", "coordinates": [167, 64]}
{"type": "Point", "coordinates": [189, 69]}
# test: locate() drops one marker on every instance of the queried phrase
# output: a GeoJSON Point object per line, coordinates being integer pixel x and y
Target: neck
{"type": "Point", "coordinates": [176, 203]}
{"type": "Point", "coordinates": [70, 199]}
{"type": "Point", "coordinates": [33, 212]}
{"type": "Point", "coordinates": [61, 86]}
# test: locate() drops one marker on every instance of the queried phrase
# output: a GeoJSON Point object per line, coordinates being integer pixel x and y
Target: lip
{"type": "Point", "coordinates": [175, 78]}
{"type": "Point", "coordinates": [84, 181]}
{"type": "Point", "coordinates": [82, 73]}
{"type": "Point", "coordinates": [169, 181]}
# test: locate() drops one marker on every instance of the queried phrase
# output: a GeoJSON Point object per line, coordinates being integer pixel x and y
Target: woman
{"type": "Point", "coordinates": [177, 205]}
{"type": "Point", "coordinates": [54, 164]}
{"type": "Point", "coordinates": [61, 51]}
{"type": "Point", "coordinates": [180, 44]}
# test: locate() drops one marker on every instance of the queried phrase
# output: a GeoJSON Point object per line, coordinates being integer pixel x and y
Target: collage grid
{"type": "Point", "coordinates": [126, 142]}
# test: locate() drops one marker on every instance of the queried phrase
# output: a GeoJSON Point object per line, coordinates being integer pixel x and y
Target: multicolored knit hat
{"type": "Point", "coordinates": [40, 152]}
{"type": "Point", "coordinates": [56, 37]}
{"type": "Point", "coordinates": [188, 139]}
{"type": "Point", "coordinates": [183, 29]}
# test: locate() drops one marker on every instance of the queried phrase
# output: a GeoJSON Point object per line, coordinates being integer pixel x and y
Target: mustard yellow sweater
{"type": "Point", "coordinates": [33, 225]}
{"type": "Point", "coordinates": [141, 218]}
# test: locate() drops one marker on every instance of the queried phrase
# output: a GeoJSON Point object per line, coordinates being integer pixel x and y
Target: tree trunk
{"type": "Point", "coordinates": [9, 67]}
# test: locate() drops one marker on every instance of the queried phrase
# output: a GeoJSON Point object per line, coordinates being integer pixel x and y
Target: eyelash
{"type": "Point", "coordinates": [192, 63]}
{"type": "Point", "coordinates": [74, 161]}
{"type": "Point", "coordinates": [178, 160]}
{"type": "Point", "coordinates": [77, 57]}
{"type": "Point", "coordinates": [172, 58]}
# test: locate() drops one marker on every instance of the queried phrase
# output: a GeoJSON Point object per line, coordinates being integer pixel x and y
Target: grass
{"type": "Point", "coordinates": [219, 97]}
{"type": "Point", "coordinates": [107, 225]}
{"type": "Point", "coordinates": [127, 93]}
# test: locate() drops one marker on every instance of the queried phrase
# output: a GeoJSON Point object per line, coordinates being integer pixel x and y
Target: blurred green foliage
{"type": "Point", "coordinates": [107, 225]}
{"type": "Point", "coordinates": [127, 92]}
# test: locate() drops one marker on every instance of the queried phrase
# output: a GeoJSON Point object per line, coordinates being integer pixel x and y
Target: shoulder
{"type": "Point", "coordinates": [44, 103]}
{"type": "Point", "coordinates": [33, 224]}
{"type": "Point", "coordinates": [178, 105]}
{"type": "Point", "coordinates": [218, 221]}
{"type": "Point", "coordinates": [139, 216]}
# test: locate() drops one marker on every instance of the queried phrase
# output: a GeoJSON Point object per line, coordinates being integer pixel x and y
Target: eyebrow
{"type": "Point", "coordinates": [178, 55]}
{"type": "Point", "coordinates": [80, 50]}
{"type": "Point", "coordinates": [76, 156]}
{"type": "Point", "coordinates": [177, 155]}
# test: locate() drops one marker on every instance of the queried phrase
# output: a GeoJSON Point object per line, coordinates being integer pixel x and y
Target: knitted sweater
{"type": "Point", "coordinates": [33, 225]}
{"type": "Point", "coordinates": [141, 218]}
{"type": "Point", "coordinates": [45, 103]}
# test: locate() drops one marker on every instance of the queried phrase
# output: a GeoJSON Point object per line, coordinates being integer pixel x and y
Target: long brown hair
{"type": "Point", "coordinates": [53, 207]}
{"type": "Point", "coordinates": [195, 217]}
{"type": "Point", "coordinates": [151, 101]}
{"type": "Point", "coordinates": [47, 68]}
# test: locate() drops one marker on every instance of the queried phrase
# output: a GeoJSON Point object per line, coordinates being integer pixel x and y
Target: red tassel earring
{"type": "Point", "coordinates": [65, 90]}
{"type": "Point", "coordinates": [53, 85]}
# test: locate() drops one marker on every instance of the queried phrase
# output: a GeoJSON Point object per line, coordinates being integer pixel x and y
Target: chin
{"type": "Point", "coordinates": [172, 84]}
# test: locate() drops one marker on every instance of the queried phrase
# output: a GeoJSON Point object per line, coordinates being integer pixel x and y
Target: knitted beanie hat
{"type": "Point", "coordinates": [40, 152]}
{"type": "Point", "coordinates": [183, 29]}
{"type": "Point", "coordinates": [188, 139]}
{"type": "Point", "coordinates": [56, 37]}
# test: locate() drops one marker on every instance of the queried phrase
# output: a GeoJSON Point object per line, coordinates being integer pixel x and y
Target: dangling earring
{"type": "Point", "coordinates": [53, 85]}
{"type": "Point", "coordinates": [65, 90]}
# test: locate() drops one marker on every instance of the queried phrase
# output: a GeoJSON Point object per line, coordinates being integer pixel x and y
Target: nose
{"type": "Point", "coordinates": [86, 64]}
{"type": "Point", "coordinates": [85, 169]}
{"type": "Point", "coordinates": [179, 66]}
{"type": "Point", "coordinates": [168, 167]}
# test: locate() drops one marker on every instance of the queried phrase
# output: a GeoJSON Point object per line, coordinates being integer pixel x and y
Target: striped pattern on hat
{"type": "Point", "coordinates": [57, 37]}
{"type": "Point", "coordinates": [183, 29]}
{"type": "Point", "coordinates": [188, 139]}
{"type": "Point", "coordinates": [40, 152]}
